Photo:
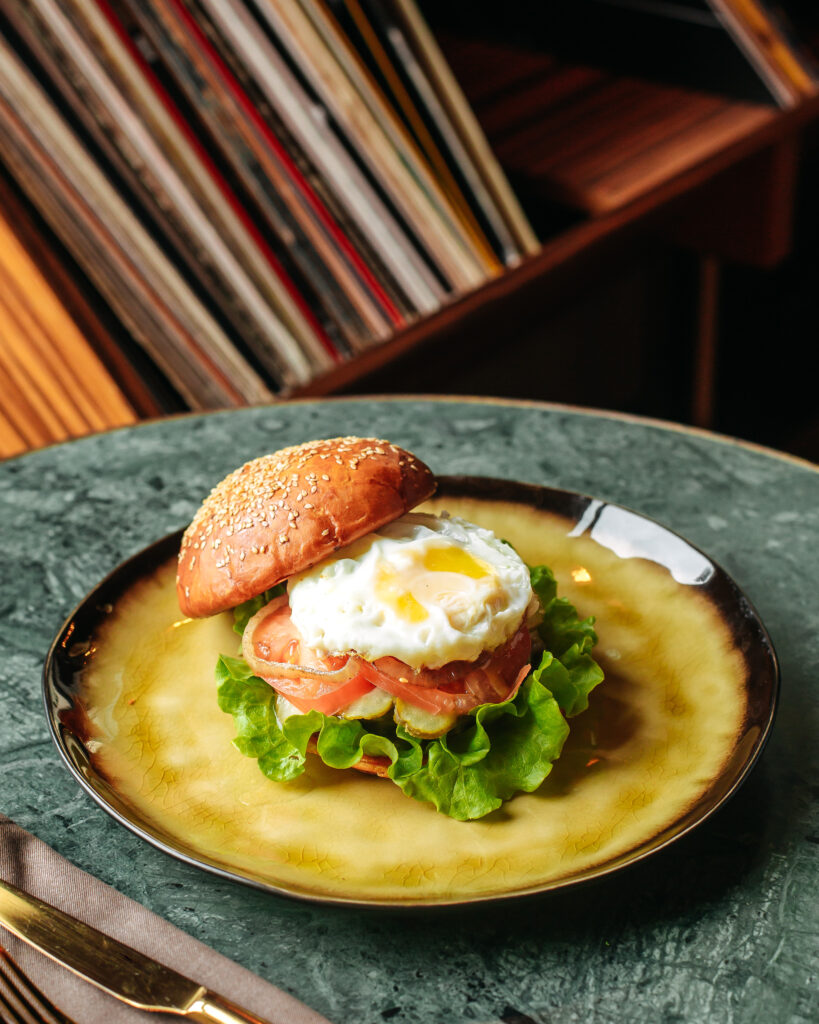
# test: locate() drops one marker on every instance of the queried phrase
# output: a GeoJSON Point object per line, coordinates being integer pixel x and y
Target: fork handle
{"type": "Point", "coordinates": [211, 1008]}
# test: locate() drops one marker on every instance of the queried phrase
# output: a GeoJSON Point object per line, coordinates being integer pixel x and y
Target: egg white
{"type": "Point", "coordinates": [425, 589]}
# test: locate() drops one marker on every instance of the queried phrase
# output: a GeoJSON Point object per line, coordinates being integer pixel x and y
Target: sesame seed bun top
{"type": "Point", "coordinates": [282, 513]}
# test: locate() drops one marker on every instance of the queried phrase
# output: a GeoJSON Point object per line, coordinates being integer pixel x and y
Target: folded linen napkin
{"type": "Point", "coordinates": [31, 865]}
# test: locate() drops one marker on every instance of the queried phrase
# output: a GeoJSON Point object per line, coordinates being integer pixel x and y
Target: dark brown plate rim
{"type": "Point", "coordinates": [65, 660]}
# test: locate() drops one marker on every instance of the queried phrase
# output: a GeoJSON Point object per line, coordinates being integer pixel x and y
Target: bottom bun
{"type": "Point", "coordinates": [371, 765]}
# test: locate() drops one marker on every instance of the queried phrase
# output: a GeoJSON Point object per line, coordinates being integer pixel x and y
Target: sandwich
{"type": "Point", "coordinates": [417, 648]}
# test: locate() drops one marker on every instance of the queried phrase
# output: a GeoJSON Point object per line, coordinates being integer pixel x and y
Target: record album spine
{"type": "Point", "coordinates": [113, 249]}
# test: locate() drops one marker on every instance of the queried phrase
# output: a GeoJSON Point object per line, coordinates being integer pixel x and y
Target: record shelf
{"type": "Point", "coordinates": [633, 159]}
{"type": "Point", "coordinates": [606, 162]}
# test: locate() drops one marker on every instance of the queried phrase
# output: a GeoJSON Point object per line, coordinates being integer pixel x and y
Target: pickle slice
{"type": "Point", "coordinates": [424, 725]}
{"type": "Point", "coordinates": [372, 705]}
{"type": "Point", "coordinates": [284, 709]}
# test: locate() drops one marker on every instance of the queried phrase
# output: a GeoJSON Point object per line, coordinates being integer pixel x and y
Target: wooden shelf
{"type": "Point", "coordinates": [592, 139]}
{"type": "Point", "coordinates": [630, 159]}
{"type": "Point", "coordinates": [633, 157]}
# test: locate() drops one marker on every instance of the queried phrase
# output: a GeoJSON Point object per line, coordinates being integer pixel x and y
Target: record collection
{"type": "Point", "coordinates": [258, 189]}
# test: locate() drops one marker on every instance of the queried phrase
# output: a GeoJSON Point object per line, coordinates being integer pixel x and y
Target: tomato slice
{"type": "Point", "coordinates": [329, 702]}
{"type": "Point", "coordinates": [276, 638]}
{"type": "Point", "coordinates": [425, 697]}
{"type": "Point", "coordinates": [456, 687]}
{"type": "Point", "coordinates": [462, 685]}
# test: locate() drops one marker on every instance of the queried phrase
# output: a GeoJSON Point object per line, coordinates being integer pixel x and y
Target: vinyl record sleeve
{"type": "Point", "coordinates": [355, 212]}
{"type": "Point", "coordinates": [72, 49]}
{"type": "Point", "coordinates": [384, 74]}
{"type": "Point", "coordinates": [458, 110]}
{"type": "Point", "coordinates": [408, 130]}
{"type": "Point", "coordinates": [767, 49]}
{"type": "Point", "coordinates": [381, 43]}
{"type": "Point", "coordinates": [292, 210]}
{"type": "Point", "coordinates": [429, 174]}
{"type": "Point", "coordinates": [202, 14]}
{"type": "Point", "coordinates": [412, 190]}
{"type": "Point", "coordinates": [267, 255]}
{"type": "Point", "coordinates": [112, 247]}
{"type": "Point", "coordinates": [159, 110]}
{"type": "Point", "coordinates": [308, 123]}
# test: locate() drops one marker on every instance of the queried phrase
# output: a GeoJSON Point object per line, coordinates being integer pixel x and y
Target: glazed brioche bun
{"type": "Point", "coordinates": [283, 513]}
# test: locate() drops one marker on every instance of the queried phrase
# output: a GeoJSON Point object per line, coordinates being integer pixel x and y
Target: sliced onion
{"type": "Point", "coordinates": [283, 669]}
{"type": "Point", "coordinates": [426, 698]}
{"type": "Point", "coordinates": [524, 672]}
{"type": "Point", "coordinates": [488, 687]}
{"type": "Point", "coordinates": [482, 686]}
{"type": "Point", "coordinates": [429, 678]}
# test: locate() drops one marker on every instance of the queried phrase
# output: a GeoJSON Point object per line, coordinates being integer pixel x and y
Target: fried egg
{"type": "Point", "coordinates": [425, 589]}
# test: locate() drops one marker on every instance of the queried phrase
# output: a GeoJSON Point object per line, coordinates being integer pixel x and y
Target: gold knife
{"type": "Point", "coordinates": [112, 966]}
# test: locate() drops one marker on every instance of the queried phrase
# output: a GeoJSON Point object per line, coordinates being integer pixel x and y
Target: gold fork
{"type": "Point", "coordinates": [20, 1001]}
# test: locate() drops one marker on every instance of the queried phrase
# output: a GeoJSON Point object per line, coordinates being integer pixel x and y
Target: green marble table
{"type": "Point", "coordinates": [721, 926]}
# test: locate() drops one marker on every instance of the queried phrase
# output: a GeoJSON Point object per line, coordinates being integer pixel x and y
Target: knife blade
{"type": "Point", "coordinates": [117, 969]}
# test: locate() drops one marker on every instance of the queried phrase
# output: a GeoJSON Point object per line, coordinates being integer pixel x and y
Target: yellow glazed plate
{"type": "Point", "coordinates": [686, 706]}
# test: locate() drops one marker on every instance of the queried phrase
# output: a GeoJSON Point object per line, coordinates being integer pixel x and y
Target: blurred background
{"type": "Point", "coordinates": [208, 203]}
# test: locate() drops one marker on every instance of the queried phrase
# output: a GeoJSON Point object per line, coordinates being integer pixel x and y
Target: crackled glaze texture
{"type": "Point", "coordinates": [720, 927]}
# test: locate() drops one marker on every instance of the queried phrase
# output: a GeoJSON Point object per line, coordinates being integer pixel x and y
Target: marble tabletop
{"type": "Point", "coordinates": [721, 926]}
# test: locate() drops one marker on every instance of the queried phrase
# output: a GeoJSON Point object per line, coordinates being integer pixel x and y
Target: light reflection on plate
{"type": "Point", "coordinates": [685, 709]}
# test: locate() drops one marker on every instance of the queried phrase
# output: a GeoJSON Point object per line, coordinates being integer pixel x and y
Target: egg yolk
{"type": "Point", "coordinates": [390, 590]}
{"type": "Point", "coordinates": [452, 559]}
{"type": "Point", "coordinates": [441, 577]}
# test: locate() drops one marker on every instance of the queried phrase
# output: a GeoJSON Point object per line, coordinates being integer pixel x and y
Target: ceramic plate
{"type": "Point", "coordinates": [688, 701]}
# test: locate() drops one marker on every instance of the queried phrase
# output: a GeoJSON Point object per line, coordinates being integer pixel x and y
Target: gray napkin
{"type": "Point", "coordinates": [33, 866]}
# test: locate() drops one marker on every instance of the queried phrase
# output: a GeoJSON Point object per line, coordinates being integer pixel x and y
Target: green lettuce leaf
{"type": "Point", "coordinates": [502, 750]}
{"type": "Point", "coordinates": [493, 752]}
{"type": "Point", "coordinates": [281, 747]}
{"type": "Point", "coordinates": [572, 671]}
{"type": "Point", "coordinates": [499, 750]}
{"type": "Point", "coordinates": [243, 613]}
